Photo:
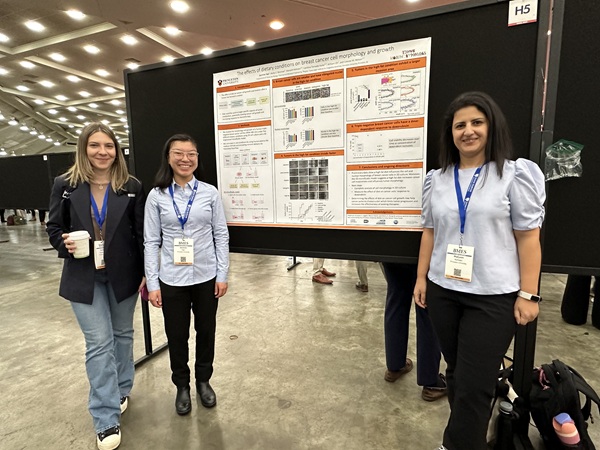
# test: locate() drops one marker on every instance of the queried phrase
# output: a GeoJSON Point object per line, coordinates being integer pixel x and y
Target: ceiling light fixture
{"type": "Point", "coordinates": [61, 97]}
{"type": "Point", "coordinates": [129, 39]}
{"type": "Point", "coordinates": [91, 49]}
{"type": "Point", "coordinates": [24, 128]}
{"type": "Point", "coordinates": [93, 105]}
{"type": "Point", "coordinates": [49, 139]}
{"type": "Point", "coordinates": [39, 101]}
{"type": "Point", "coordinates": [4, 38]}
{"type": "Point", "coordinates": [179, 6]}
{"type": "Point", "coordinates": [206, 51]}
{"type": "Point", "coordinates": [13, 121]}
{"type": "Point", "coordinates": [52, 111]}
{"type": "Point", "coordinates": [72, 108]}
{"type": "Point", "coordinates": [47, 83]}
{"type": "Point", "coordinates": [120, 111]}
{"type": "Point", "coordinates": [102, 72]}
{"type": "Point", "coordinates": [81, 117]}
{"type": "Point", "coordinates": [109, 89]}
{"type": "Point", "coordinates": [277, 24]}
{"type": "Point", "coordinates": [249, 43]}
{"type": "Point", "coordinates": [22, 88]}
{"type": "Point", "coordinates": [84, 94]}
{"type": "Point", "coordinates": [34, 26]}
{"type": "Point", "coordinates": [115, 102]}
{"type": "Point", "coordinates": [41, 136]}
{"type": "Point", "coordinates": [73, 78]}
{"type": "Point", "coordinates": [62, 119]}
{"type": "Point", "coordinates": [3, 71]}
{"type": "Point", "coordinates": [56, 143]}
{"type": "Point", "coordinates": [57, 57]}
{"type": "Point", "coordinates": [74, 14]}
{"type": "Point", "coordinates": [3, 152]}
{"type": "Point", "coordinates": [173, 31]}
{"type": "Point", "coordinates": [33, 132]}
{"type": "Point", "coordinates": [168, 59]}
{"type": "Point", "coordinates": [132, 66]}
{"type": "Point", "coordinates": [27, 64]}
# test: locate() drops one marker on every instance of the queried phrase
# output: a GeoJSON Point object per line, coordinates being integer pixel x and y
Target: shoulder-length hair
{"type": "Point", "coordinates": [164, 176]}
{"type": "Point", "coordinates": [82, 171]}
{"type": "Point", "coordinates": [499, 145]}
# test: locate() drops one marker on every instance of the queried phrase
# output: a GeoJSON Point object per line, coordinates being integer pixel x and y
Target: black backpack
{"type": "Point", "coordinates": [556, 389]}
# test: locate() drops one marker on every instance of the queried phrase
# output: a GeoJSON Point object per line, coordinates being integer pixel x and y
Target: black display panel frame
{"type": "Point", "coordinates": [571, 228]}
{"type": "Point", "coordinates": [472, 49]}
{"type": "Point", "coordinates": [25, 182]}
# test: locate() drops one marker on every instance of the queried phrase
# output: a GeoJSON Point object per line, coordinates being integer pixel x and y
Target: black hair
{"type": "Point", "coordinates": [164, 176]}
{"type": "Point", "coordinates": [499, 145]}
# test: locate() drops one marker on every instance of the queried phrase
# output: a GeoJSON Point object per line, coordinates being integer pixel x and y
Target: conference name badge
{"type": "Point", "coordinates": [459, 262]}
{"type": "Point", "coordinates": [99, 254]}
{"type": "Point", "coordinates": [183, 252]}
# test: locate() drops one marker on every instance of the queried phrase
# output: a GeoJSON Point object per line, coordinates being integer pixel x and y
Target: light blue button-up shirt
{"type": "Point", "coordinates": [206, 226]}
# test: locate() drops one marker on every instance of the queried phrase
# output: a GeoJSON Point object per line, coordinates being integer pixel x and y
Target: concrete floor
{"type": "Point", "coordinates": [298, 365]}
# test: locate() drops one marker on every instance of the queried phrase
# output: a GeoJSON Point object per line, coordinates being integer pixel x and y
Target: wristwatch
{"type": "Point", "coordinates": [528, 296]}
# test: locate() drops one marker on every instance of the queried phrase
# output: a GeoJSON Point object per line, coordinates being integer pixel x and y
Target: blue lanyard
{"type": "Point", "coordinates": [100, 216]}
{"type": "Point", "coordinates": [464, 204]}
{"type": "Point", "coordinates": [184, 219]}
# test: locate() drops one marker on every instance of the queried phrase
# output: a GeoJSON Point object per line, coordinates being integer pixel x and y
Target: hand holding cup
{"type": "Point", "coordinates": [77, 243]}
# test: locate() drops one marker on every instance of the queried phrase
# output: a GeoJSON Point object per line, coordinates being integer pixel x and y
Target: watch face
{"type": "Point", "coordinates": [531, 297]}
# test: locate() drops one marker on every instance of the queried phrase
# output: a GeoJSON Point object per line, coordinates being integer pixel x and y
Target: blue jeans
{"type": "Point", "coordinates": [108, 330]}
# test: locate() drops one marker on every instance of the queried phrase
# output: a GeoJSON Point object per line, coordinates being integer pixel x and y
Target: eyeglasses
{"type": "Point", "coordinates": [180, 155]}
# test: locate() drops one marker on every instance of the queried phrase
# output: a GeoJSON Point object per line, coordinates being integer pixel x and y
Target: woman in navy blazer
{"type": "Point", "coordinates": [98, 195]}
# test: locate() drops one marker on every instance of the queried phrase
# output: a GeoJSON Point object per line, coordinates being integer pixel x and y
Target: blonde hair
{"type": "Point", "coordinates": [82, 172]}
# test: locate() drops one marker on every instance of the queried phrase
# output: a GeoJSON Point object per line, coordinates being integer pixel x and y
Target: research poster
{"type": "Point", "coordinates": [336, 140]}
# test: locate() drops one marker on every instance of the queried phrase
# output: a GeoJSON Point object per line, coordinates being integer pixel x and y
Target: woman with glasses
{"type": "Point", "coordinates": [187, 259]}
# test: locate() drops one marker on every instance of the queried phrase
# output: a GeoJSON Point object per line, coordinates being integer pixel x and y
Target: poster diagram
{"type": "Point", "coordinates": [308, 111]}
{"type": "Point", "coordinates": [382, 91]}
{"type": "Point", "coordinates": [333, 141]}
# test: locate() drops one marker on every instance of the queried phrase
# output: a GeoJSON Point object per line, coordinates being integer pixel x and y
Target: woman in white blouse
{"type": "Point", "coordinates": [480, 257]}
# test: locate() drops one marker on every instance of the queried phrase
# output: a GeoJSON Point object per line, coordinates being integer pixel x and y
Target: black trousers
{"type": "Point", "coordinates": [401, 280]}
{"type": "Point", "coordinates": [576, 301]}
{"type": "Point", "coordinates": [474, 332]}
{"type": "Point", "coordinates": [178, 302]}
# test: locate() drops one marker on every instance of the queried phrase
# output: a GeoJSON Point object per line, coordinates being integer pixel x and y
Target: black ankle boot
{"type": "Point", "coordinates": [183, 402]}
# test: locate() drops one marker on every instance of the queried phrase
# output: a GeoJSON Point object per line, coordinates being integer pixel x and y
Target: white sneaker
{"type": "Point", "coordinates": [124, 404]}
{"type": "Point", "coordinates": [109, 439]}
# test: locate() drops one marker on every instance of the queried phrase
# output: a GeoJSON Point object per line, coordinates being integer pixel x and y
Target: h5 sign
{"type": "Point", "coordinates": [522, 11]}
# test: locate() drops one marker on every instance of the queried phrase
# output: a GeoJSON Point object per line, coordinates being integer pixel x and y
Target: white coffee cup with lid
{"type": "Point", "coordinates": [82, 245]}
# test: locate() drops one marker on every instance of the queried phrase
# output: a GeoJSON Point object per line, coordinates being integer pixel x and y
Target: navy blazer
{"type": "Point", "coordinates": [123, 238]}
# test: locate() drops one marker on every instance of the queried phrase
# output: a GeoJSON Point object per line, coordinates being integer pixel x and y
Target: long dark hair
{"type": "Point", "coordinates": [164, 176]}
{"type": "Point", "coordinates": [499, 145]}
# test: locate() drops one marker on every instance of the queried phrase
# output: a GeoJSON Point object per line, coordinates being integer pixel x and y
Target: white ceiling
{"type": "Point", "coordinates": [216, 24]}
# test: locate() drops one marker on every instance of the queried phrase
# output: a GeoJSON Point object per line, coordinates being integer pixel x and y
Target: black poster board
{"type": "Point", "coordinates": [24, 182]}
{"type": "Point", "coordinates": [572, 227]}
{"type": "Point", "coordinates": [472, 49]}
